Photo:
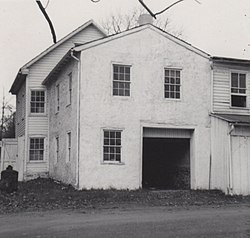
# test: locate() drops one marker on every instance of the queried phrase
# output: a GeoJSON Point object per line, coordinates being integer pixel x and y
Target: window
{"type": "Point", "coordinates": [172, 83]}
{"type": "Point", "coordinates": [37, 102]}
{"type": "Point", "coordinates": [70, 89]}
{"type": "Point", "coordinates": [238, 90]}
{"type": "Point", "coordinates": [112, 145]}
{"type": "Point", "coordinates": [121, 80]}
{"type": "Point", "coordinates": [69, 146]}
{"type": "Point", "coordinates": [57, 98]}
{"type": "Point", "coordinates": [36, 149]}
{"type": "Point", "coordinates": [57, 149]}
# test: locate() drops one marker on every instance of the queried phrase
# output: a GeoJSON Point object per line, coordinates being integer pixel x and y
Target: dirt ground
{"type": "Point", "coordinates": [46, 195]}
{"type": "Point", "coordinates": [144, 222]}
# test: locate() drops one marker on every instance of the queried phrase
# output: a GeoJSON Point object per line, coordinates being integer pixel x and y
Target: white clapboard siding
{"type": "Point", "coordinates": [241, 164]}
{"type": "Point", "coordinates": [41, 69]}
{"type": "Point", "coordinates": [222, 91]}
{"type": "Point", "coordinates": [219, 154]}
{"type": "Point", "coordinates": [38, 125]}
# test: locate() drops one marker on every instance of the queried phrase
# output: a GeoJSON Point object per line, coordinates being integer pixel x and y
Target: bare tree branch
{"type": "Point", "coordinates": [165, 9]}
{"type": "Point", "coordinates": [119, 22]}
{"type": "Point", "coordinates": [48, 19]}
{"type": "Point", "coordinates": [146, 7]}
{"type": "Point", "coordinates": [158, 13]}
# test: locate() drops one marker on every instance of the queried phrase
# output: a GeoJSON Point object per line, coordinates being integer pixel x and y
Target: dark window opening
{"type": "Point", "coordinates": [238, 101]}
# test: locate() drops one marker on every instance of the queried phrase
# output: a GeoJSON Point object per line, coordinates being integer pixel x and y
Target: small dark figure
{"type": "Point", "coordinates": [9, 180]}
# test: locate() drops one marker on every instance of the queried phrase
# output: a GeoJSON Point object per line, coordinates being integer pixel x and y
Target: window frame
{"type": "Point", "coordinates": [45, 102]}
{"type": "Point", "coordinates": [238, 94]}
{"type": "Point", "coordinates": [121, 81]}
{"type": "Point", "coordinates": [103, 161]}
{"type": "Point", "coordinates": [69, 146]}
{"type": "Point", "coordinates": [180, 85]}
{"type": "Point", "coordinates": [57, 98]}
{"type": "Point", "coordinates": [44, 148]}
{"type": "Point", "coordinates": [70, 89]}
{"type": "Point", "coordinates": [57, 149]}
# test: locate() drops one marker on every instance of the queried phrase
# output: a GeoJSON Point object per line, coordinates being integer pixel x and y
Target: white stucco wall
{"type": "Point", "coordinates": [149, 53]}
{"type": "Point", "coordinates": [62, 122]}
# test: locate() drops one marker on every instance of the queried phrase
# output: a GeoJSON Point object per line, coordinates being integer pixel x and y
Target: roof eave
{"type": "Point", "coordinates": [137, 29]}
{"type": "Point", "coordinates": [232, 61]}
{"type": "Point", "coordinates": [19, 80]}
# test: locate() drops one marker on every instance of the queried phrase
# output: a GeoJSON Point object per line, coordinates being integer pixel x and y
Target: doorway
{"type": "Point", "coordinates": [166, 163]}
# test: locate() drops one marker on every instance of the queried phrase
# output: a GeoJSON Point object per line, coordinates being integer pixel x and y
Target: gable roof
{"type": "Point", "coordinates": [138, 29]}
{"type": "Point", "coordinates": [21, 75]}
{"type": "Point", "coordinates": [109, 38]}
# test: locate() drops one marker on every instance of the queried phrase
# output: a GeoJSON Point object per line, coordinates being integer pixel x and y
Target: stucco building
{"type": "Point", "coordinates": [140, 109]}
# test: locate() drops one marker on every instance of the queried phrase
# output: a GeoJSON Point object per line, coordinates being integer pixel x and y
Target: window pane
{"type": "Point", "coordinates": [127, 70]}
{"type": "Point", "coordinates": [106, 134]}
{"type": "Point", "coordinates": [115, 92]}
{"type": "Point", "coordinates": [242, 90]}
{"type": "Point", "coordinates": [127, 93]}
{"type": "Point", "coordinates": [122, 69]}
{"type": "Point", "coordinates": [127, 77]}
{"type": "Point", "coordinates": [238, 101]}
{"type": "Point", "coordinates": [166, 72]}
{"type": "Point", "coordinates": [166, 94]}
{"type": "Point", "coordinates": [234, 80]}
{"type": "Point", "coordinates": [115, 68]}
{"type": "Point", "coordinates": [242, 81]}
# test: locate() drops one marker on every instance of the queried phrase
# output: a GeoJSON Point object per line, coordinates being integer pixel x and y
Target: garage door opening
{"type": "Point", "coordinates": [166, 163]}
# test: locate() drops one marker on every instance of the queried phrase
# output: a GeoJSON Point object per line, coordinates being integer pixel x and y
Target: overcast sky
{"type": "Point", "coordinates": [218, 27]}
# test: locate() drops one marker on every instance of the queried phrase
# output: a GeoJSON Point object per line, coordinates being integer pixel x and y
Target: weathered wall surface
{"type": "Point", "coordinates": [61, 123]}
{"type": "Point", "coordinates": [148, 53]}
{"type": "Point", "coordinates": [20, 110]}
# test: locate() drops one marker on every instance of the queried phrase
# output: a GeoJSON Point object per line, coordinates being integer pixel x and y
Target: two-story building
{"type": "Point", "coordinates": [32, 102]}
{"type": "Point", "coordinates": [143, 109]}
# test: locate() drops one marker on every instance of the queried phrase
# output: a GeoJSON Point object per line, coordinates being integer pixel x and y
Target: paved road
{"type": "Point", "coordinates": [144, 222]}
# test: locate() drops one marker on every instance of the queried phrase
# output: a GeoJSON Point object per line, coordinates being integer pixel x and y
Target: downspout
{"type": "Point", "coordinates": [211, 111]}
{"type": "Point", "coordinates": [77, 119]}
{"type": "Point", "coordinates": [230, 172]}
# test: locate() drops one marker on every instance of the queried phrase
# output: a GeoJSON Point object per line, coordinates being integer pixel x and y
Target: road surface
{"type": "Point", "coordinates": [146, 222]}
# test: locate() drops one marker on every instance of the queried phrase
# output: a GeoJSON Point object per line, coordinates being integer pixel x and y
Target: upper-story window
{"type": "Point", "coordinates": [37, 102]}
{"type": "Point", "coordinates": [121, 80]}
{"type": "Point", "coordinates": [238, 90]}
{"type": "Point", "coordinates": [70, 89]}
{"type": "Point", "coordinates": [172, 84]}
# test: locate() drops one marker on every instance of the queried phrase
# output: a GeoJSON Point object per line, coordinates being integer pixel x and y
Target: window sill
{"type": "Point", "coordinates": [112, 163]}
{"type": "Point", "coordinates": [239, 108]}
{"type": "Point", "coordinates": [38, 115]}
{"type": "Point", "coordinates": [37, 161]}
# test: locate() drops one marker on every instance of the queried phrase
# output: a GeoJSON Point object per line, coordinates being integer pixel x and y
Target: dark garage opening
{"type": "Point", "coordinates": [166, 163]}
